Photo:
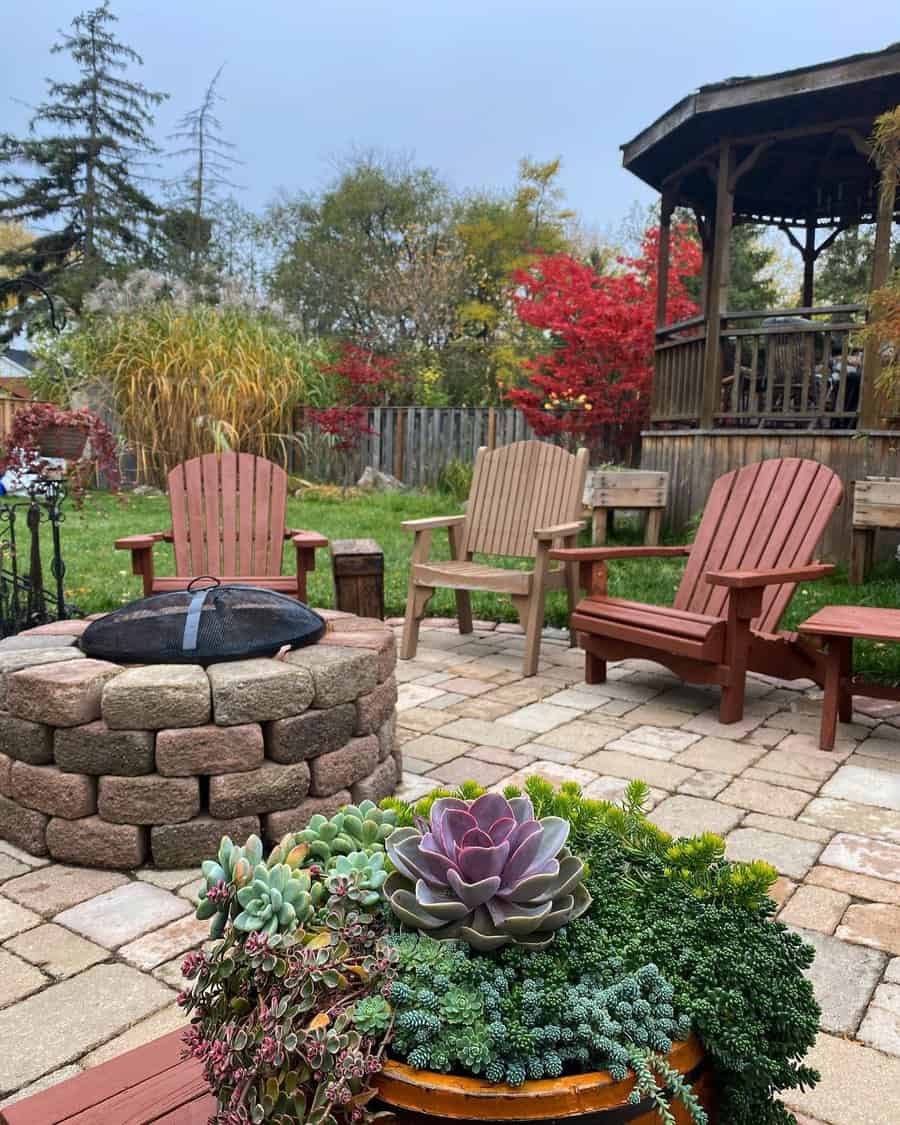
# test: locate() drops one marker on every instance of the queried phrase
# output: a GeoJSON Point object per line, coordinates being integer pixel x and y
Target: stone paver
{"type": "Point", "coordinates": [844, 978]}
{"type": "Point", "coordinates": [854, 884]}
{"type": "Point", "coordinates": [539, 717]}
{"type": "Point", "coordinates": [42, 1084]}
{"type": "Point", "coordinates": [653, 742]}
{"type": "Point", "coordinates": [483, 733]}
{"type": "Point", "coordinates": [876, 924]}
{"type": "Point", "coordinates": [851, 816]}
{"type": "Point", "coordinates": [864, 856]}
{"type": "Point", "coordinates": [18, 979]}
{"type": "Point", "coordinates": [160, 1023]}
{"type": "Point", "coordinates": [860, 1086]}
{"type": "Point", "coordinates": [881, 1026]}
{"type": "Point", "coordinates": [14, 918]}
{"type": "Point", "coordinates": [787, 854]}
{"type": "Point", "coordinates": [162, 945]}
{"type": "Point", "coordinates": [720, 754]}
{"type": "Point", "coordinates": [815, 908]}
{"type": "Point", "coordinates": [119, 916]}
{"type": "Point", "coordinates": [686, 816]}
{"type": "Point", "coordinates": [868, 786]}
{"type": "Point", "coordinates": [64, 1021]}
{"type": "Point", "coordinates": [762, 797]}
{"type": "Point", "coordinates": [56, 950]}
{"type": "Point", "coordinates": [435, 748]}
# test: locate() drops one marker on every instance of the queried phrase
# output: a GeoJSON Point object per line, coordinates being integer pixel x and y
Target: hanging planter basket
{"type": "Point", "coordinates": [67, 442]}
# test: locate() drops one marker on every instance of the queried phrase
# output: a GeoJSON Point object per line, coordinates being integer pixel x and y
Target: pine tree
{"type": "Point", "coordinates": [75, 171]}
{"type": "Point", "coordinates": [188, 225]}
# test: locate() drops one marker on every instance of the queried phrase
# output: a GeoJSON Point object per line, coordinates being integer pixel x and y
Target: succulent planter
{"type": "Point", "coordinates": [414, 1095]}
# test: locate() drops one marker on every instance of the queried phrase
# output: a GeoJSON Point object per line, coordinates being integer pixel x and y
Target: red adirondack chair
{"type": "Point", "coordinates": [228, 515]}
{"type": "Point", "coordinates": [756, 541]}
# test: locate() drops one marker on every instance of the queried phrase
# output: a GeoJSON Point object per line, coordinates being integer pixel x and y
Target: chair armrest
{"type": "Point", "coordinates": [140, 542]}
{"type": "Point", "coordinates": [602, 554]}
{"type": "Point", "coordinates": [433, 522]}
{"type": "Point", "coordinates": [753, 579]}
{"type": "Point", "coordinates": [309, 539]}
{"type": "Point", "coordinates": [557, 531]}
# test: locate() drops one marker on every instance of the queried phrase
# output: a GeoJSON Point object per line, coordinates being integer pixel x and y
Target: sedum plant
{"type": "Point", "coordinates": [487, 872]}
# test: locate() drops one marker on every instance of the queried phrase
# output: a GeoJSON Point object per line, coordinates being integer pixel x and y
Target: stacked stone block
{"type": "Point", "coordinates": [113, 766]}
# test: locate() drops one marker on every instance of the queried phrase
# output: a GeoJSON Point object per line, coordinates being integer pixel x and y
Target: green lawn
{"type": "Point", "coordinates": [99, 577]}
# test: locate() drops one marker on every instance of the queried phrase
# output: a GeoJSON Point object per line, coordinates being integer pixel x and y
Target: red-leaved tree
{"type": "Point", "coordinates": [361, 379]}
{"type": "Point", "coordinates": [599, 368]}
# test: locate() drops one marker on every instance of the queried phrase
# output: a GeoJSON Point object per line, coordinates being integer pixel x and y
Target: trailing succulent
{"type": "Point", "coordinates": [547, 963]}
{"type": "Point", "coordinates": [487, 872]}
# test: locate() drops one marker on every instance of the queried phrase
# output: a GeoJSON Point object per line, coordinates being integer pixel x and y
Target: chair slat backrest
{"type": "Point", "coordinates": [228, 512]}
{"type": "Point", "coordinates": [766, 515]}
{"type": "Point", "coordinates": [519, 488]}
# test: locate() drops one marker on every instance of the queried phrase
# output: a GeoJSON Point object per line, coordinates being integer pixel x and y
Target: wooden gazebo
{"type": "Point", "coordinates": [791, 151]}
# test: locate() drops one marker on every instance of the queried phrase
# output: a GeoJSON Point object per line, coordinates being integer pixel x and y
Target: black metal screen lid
{"type": "Point", "coordinates": [202, 625]}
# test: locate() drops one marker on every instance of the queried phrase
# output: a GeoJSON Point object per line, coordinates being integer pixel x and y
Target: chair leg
{"type": "Point", "coordinates": [731, 702]}
{"type": "Point", "coordinates": [464, 610]}
{"type": "Point", "coordinates": [571, 591]}
{"type": "Point", "coordinates": [594, 669]}
{"type": "Point", "coordinates": [416, 601]}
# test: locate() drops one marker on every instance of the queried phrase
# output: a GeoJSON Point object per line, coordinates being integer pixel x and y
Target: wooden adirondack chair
{"type": "Point", "coordinates": [524, 497]}
{"type": "Point", "coordinates": [228, 515]}
{"type": "Point", "coordinates": [756, 541]}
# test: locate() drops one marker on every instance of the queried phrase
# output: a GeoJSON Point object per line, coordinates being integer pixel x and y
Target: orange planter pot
{"type": "Point", "coordinates": [422, 1097]}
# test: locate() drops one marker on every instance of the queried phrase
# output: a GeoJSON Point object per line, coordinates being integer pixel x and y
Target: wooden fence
{"type": "Point", "coordinates": [413, 443]}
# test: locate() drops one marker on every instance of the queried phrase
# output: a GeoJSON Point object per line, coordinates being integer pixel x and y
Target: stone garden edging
{"type": "Point", "coordinates": [113, 766]}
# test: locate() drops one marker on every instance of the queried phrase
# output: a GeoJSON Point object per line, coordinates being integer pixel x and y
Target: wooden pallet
{"type": "Point", "coordinates": [150, 1084]}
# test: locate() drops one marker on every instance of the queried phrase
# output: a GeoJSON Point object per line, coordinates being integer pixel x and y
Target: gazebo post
{"type": "Point", "coordinates": [662, 265]}
{"type": "Point", "coordinates": [809, 264]}
{"type": "Point", "coordinates": [717, 294]}
{"type": "Point", "coordinates": [881, 264]}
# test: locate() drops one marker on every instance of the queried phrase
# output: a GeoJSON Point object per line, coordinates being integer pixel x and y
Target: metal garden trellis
{"type": "Point", "coordinates": [24, 601]}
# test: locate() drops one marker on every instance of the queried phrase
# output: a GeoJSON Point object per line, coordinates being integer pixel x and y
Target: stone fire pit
{"type": "Point", "coordinates": [114, 766]}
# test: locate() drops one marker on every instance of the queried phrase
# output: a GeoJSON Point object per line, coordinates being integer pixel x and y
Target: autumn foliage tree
{"type": "Point", "coordinates": [598, 369]}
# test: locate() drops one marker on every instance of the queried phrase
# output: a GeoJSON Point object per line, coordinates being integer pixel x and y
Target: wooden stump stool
{"type": "Point", "coordinates": [358, 569]}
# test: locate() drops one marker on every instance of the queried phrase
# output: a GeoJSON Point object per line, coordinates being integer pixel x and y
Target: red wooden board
{"type": "Point", "coordinates": [149, 1084]}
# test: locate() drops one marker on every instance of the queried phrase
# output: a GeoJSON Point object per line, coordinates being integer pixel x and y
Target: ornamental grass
{"type": "Point", "coordinates": [185, 381]}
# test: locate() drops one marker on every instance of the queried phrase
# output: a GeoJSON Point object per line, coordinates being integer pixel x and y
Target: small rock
{"type": "Point", "coordinates": [374, 480]}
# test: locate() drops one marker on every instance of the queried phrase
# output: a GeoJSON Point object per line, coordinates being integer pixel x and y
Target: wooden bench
{"type": "Point", "coordinates": [838, 626]}
{"type": "Point", "coordinates": [151, 1083]}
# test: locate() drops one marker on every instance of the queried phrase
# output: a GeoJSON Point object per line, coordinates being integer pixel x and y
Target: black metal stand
{"type": "Point", "coordinates": [24, 601]}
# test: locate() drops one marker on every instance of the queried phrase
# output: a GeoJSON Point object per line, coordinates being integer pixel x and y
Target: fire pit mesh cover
{"type": "Point", "coordinates": [202, 626]}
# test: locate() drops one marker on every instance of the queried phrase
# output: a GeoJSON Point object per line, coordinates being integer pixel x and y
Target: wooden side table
{"type": "Point", "coordinates": [606, 490]}
{"type": "Point", "coordinates": [838, 626]}
{"type": "Point", "coordinates": [876, 504]}
{"type": "Point", "coordinates": [358, 569]}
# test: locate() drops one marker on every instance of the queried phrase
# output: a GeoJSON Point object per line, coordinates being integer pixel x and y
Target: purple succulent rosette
{"type": "Point", "coordinates": [485, 872]}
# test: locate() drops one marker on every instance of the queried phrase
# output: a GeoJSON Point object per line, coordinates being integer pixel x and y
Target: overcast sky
{"type": "Point", "coordinates": [465, 86]}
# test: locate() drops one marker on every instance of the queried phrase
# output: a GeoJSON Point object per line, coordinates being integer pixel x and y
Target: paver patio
{"type": "Point", "coordinates": [91, 959]}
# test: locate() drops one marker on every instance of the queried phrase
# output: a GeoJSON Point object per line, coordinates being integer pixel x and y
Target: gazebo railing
{"type": "Point", "coordinates": [789, 368]}
{"type": "Point", "coordinates": [678, 372]}
{"type": "Point", "coordinates": [792, 367]}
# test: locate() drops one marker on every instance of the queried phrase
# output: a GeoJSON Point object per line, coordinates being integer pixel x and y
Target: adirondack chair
{"type": "Point", "coordinates": [227, 522]}
{"type": "Point", "coordinates": [756, 541]}
{"type": "Point", "coordinates": [524, 498]}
